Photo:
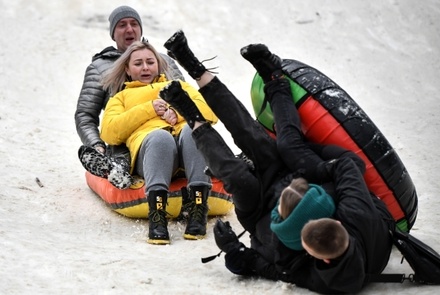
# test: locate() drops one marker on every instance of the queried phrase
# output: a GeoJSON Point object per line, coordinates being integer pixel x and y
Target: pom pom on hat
{"type": "Point", "coordinates": [315, 204]}
{"type": "Point", "coordinates": [120, 13]}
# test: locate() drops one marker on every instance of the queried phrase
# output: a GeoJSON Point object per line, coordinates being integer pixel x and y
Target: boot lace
{"type": "Point", "coordinates": [189, 56]}
{"type": "Point", "coordinates": [159, 216]}
{"type": "Point", "coordinates": [197, 212]}
{"type": "Point", "coordinates": [211, 70]}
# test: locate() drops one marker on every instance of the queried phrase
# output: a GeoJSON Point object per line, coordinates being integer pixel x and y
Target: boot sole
{"type": "Point", "coordinates": [95, 162]}
{"type": "Point", "coordinates": [193, 237]}
{"type": "Point", "coordinates": [158, 242]}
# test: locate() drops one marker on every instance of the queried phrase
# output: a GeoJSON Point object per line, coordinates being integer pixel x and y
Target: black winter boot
{"type": "Point", "coordinates": [268, 65]}
{"type": "Point", "coordinates": [178, 49]}
{"type": "Point", "coordinates": [198, 216]}
{"type": "Point", "coordinates": [179, 99]}
{"type": "Point", "coordinates": [157, 215]}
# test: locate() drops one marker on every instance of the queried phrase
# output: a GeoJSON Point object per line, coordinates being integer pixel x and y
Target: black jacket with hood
{"type": "Point", "coordinates": [367, 221]}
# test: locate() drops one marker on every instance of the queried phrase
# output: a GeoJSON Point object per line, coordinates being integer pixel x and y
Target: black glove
{"type": "Point", "coordinates": [225, 238]}
{"type": "Point", "coordinates": [240, 260]}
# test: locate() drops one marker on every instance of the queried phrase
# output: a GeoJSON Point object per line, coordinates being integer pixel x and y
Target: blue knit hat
{"type": "Point", "coordinates": [315, 204]}
{"type": "Point", "coordinates": [120, 13]}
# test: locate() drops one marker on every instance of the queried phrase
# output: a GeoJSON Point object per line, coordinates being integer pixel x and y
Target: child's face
{"type": "Point", "coordinates": [279, 206]}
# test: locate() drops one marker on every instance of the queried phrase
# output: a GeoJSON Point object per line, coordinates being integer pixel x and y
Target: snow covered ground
{"type": "Point", "coordinates": [62, 239]}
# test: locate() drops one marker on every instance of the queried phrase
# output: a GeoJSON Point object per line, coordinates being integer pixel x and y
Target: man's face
{"type": "Point", "coordinates": [127, 31]}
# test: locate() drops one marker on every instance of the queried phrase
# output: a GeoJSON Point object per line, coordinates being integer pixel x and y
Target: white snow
{"type": "Point", "coordinates": [62, 239]}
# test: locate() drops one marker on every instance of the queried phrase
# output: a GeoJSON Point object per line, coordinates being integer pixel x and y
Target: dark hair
{"type": "Point", "coordinates": [326, 236]}
{"type": "Point", "coordinates": [292, 195]}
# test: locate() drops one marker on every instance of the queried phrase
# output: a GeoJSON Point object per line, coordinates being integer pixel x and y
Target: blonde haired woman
{"type": "Point", "coordinates": [158, 138]}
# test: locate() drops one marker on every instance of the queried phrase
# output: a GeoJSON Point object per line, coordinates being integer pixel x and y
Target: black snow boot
{"type": "Point", "coordinates": [198, 216]}
{"type": "Point", "coordinates": [178, 49]}
{"type": "Point", "coordinates": [267, 64]}
{"type": "Point", "coordinates": [157, 215]}
{"type": "Point", "coordinates": [180, 100]}
{"type": "Point", "coordinates": [115, 170]}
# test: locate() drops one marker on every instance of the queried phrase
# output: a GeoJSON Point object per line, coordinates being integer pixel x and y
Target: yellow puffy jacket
{"type": "Point", "coordinates": [129, 115]}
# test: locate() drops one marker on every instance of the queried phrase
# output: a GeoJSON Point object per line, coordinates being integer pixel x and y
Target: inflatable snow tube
{"type": "Point", "coordinates": [330, 116]}
{"type": "Point", "coordinates": [132, 202]}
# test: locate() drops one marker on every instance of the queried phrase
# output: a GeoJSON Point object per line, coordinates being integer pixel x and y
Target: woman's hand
{"type": "Point", "coordinates": [170, 116]}
{"type": "Point", "coordinates": [160, 106]}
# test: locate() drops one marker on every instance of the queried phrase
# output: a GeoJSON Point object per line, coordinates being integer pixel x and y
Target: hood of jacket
{"type": "Point", "coordinates": [107, 53]}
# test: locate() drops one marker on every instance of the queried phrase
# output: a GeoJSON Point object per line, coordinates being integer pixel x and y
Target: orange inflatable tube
{"type": "Point", "coordinates": [133, 203]}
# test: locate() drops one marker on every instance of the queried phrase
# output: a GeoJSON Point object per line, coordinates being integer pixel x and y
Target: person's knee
{"type": "Point", "coordinates": [356, 159]}
{"type": "Point", "coordinates": [286, 150]}
{"type": "Point", "coordinates": [282, 147]}
{"type": "Point", "coordinates": [186, 131]}
{"type": "Point", "coordinates": [159, 142]}
{"type": "Point", "coordinates": [159, 136]}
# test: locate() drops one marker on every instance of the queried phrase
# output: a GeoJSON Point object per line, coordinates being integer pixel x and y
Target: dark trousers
{"type": "Point", "coordinates": [252, 190]}
{"type": "Point", "coordinates": [291, 145]}
{"type": "Point", "coordinates": [247, 187]}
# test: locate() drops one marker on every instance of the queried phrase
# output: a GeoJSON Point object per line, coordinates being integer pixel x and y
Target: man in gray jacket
{"type": "Point", "coordinates": [111, 162]}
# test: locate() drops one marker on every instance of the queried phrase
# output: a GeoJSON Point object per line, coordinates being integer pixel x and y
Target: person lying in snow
{"type": "Point", "coordinates": [356, 240]}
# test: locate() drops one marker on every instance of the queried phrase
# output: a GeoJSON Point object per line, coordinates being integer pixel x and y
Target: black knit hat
{"type": "Point", "coordinates": [120, 13]}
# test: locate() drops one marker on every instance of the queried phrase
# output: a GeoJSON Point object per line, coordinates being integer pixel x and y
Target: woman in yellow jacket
{"type": "Point", "coordinates": [159, 139]}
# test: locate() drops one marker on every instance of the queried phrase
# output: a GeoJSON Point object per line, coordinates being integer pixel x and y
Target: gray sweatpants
{"type": "Point", "coordinates": [161, 155]}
